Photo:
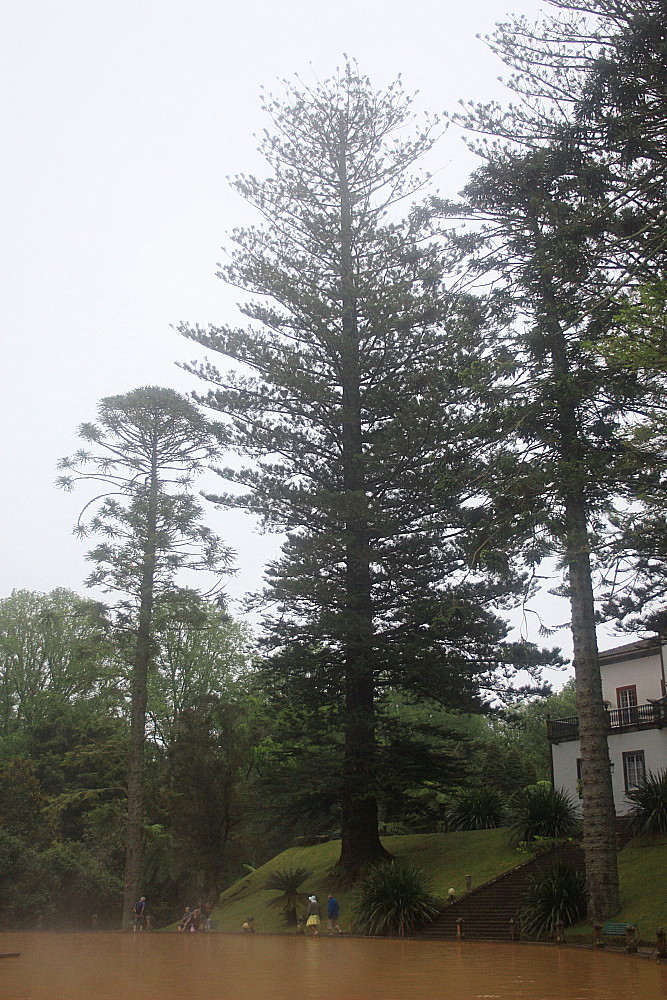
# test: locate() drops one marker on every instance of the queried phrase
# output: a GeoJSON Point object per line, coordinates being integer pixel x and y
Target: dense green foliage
{"type": "Point", "coordinates": [143, 455]}
{"type": "Point", "coordinates": [649, 804]}
{"type": "Point", "coordinates": [394, 898]}
{"type": "Point", "coordinates": [523, 727]}
{"type": "Point", "coordinates": [568, 220]}
{"type": "Point", "coordinates": [423, 451]}
{"type": "Point", "coordinates": [542, 811]}
{"type": "Point", "coordinates": [52, 645]}
{"type": "Point", "coordinates": [556, 895]}
{"type": "Point", "coordinates": [368, 463]}
{"type": "Point", "coordinates": [63, 760]}
{"type": "Point", "coordinates": [476, 809]}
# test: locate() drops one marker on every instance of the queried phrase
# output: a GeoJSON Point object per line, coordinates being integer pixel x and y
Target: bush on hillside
{"type": "Point", "coordinates": [287, 882]}
{"type": "Point", "coordinates": [476, 809]}
{"type": "Point", "coordinates": [542, 811]}
{"type": "Point", "coordinates": [559, 894]}
{"type": "Point", "coordinates": [26, 885]}
{"type": "Point", "coordinates": [394, 898]}
{"type": "Point", "coordinates": [649, 804]}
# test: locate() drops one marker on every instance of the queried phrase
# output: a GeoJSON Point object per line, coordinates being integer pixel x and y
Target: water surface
{"type": "Point", "coordinates": [237, 967]}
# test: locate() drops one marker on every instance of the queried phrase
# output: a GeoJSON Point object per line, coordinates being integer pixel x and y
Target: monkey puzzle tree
{"type": "Point", "coordinates": [145, 450]}
{"type": "Point", "coordinates": [354, 391]}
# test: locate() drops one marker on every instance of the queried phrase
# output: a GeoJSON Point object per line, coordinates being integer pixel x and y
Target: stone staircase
{"type": "Point", "coordinates": [488, 909]}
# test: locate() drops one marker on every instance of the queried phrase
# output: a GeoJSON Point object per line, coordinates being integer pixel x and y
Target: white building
{"type": "Point", "coordinates": [633, 687]}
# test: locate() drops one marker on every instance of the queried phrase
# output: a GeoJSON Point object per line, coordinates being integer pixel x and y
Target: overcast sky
{"type": "Point", "coordinates": [122, 120]}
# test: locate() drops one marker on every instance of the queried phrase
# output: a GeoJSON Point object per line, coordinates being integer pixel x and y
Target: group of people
{"type": "Point", "coordinates": [197, 918]}
{"type": "Point", "coordinates": [313, 916]}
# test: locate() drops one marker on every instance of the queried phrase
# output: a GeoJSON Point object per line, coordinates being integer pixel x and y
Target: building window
{"type": "Point", "coordinates": [633, 769]}
{"type": "Point", "coordinates": [626, 699]}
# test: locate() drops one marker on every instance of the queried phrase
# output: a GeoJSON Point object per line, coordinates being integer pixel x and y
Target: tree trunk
{"type": "Point", "coordinates": [360, 841]}
{"type": "Point", "coordinates": [134, 831]}
{"type": "Point", "coordinates": [599, 816]}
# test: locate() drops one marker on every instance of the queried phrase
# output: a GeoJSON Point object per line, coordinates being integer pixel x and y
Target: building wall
{"type": "Point", "coordinates": [654, 744]}
{"type": "Point", "coordinates": [564, 756]}
{"type": "Point", "coordinates": [645, 672]}
{"type": "Point", "coordinates": [652, 741]}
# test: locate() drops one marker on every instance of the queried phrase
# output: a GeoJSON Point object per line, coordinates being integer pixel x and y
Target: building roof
{"type": "Point", "coordinates": [630, 650]}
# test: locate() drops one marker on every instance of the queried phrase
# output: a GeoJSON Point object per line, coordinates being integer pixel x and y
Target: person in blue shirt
{"type": "Point", "coordinates": [332, 914]}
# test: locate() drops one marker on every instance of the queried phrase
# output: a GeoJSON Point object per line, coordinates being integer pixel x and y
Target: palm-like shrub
{"type": "Point", "coordinates": [394, 898]}
{"type": "Point", "coordinates": [559, 894]}
{"type": "Point", "coordinates": [476, 809]}
{"type": "Point", "coordinates": [287, 882]}
{"type": "Point", "coordinates": [649, 804]}
{"type": "Point", "coordinates": [542, 811]}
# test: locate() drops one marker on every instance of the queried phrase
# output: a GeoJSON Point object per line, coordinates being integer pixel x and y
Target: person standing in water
{"type": "Point", "coordinates": [332, 914]}
{"type": "Point", "coordinates": [138, 914]}
{"type": "Point", "coordinates": [313, 915]}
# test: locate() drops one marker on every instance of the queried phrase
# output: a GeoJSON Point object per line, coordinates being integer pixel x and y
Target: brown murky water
{"type": "Point", "coordinates": [234, 967]}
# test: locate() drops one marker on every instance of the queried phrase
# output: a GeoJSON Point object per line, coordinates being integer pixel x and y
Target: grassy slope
{"type": "Point", "coordinates": [642, 873]}
{"type": "Point", "coordinates": [445, 858]}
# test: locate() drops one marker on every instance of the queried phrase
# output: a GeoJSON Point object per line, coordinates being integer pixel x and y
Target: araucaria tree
{"type": "Point", "coordinates": [353, 390]}
{"type": "Point", "coordinates": [572, 194]}
{"type": "Point", "coordinates": [144, 450]}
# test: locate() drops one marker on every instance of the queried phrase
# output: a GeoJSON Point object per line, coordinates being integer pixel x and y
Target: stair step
{"type": "Point", "coordinates": [487, 910]}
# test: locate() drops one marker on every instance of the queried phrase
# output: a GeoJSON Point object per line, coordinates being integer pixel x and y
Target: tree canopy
{"type": "Point", "coordinates": [146, 448]}
{"type": "Point", "coordinates": [353, 389]}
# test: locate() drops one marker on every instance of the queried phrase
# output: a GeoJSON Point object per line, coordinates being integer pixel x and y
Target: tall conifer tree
{"type": "Point", "coordinates": [356, 392]}
{"type": "Point", "coordinates": [573, 219]}
{"type": "Point", "coordinates": [144, 451]}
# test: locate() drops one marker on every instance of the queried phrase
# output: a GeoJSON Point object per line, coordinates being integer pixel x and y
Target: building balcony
{"type": "Point", "coordinates": [619, 720]}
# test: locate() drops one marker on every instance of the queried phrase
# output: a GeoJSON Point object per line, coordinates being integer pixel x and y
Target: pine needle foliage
{"type": "Point", "coordinates": [353, 390]}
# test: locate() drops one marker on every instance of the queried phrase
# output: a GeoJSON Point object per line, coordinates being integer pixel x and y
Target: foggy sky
{"type": "Point", "coordinates": [122, 120]}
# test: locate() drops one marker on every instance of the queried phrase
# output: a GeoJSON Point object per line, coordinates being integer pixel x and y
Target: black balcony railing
{"type": "Point", "coordinates": [653, 715]}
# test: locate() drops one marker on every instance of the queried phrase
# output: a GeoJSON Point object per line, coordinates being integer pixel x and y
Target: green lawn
{"type": "Point", "coordinates": [642, 874]}
{"type": "Point", "coordinates": [445, 857]}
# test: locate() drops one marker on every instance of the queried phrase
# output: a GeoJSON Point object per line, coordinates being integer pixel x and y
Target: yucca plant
{"type": "Point", "coordinates": [649, 804]}
{"type": "Point", "coordinates": [542, 811]}
{"type": "Point", "coordinates": [394, 898]}
{"type": "Point", "coordinates": [476, 809]}
{"type": "Point", "coordinates": [558, 894]}
{"type": "Point", "coordinates": [287, 881]}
